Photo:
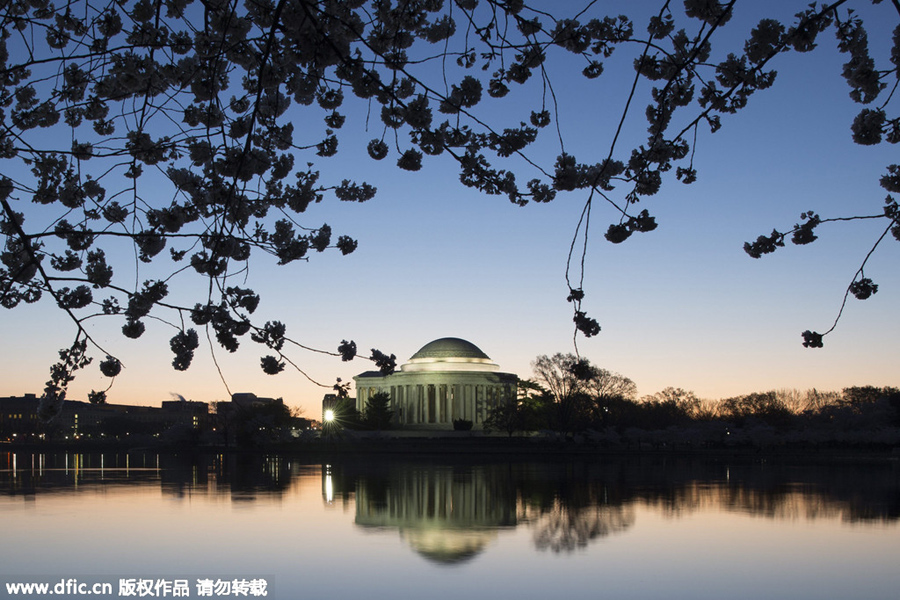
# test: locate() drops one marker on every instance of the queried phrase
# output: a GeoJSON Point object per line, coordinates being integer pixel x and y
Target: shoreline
{"type": "Point", "coordinates": [468, 447]}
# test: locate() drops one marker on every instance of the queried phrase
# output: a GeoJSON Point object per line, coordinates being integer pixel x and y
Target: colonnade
{"type": "Point", "coordinates": [439, 403]}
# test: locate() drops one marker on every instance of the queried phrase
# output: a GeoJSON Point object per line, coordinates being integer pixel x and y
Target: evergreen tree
{"type": "Point", "coordinates": [378, 414]}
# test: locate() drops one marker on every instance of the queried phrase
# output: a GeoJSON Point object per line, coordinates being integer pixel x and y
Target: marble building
{"type": "Point", "coordinates": [446, 380]}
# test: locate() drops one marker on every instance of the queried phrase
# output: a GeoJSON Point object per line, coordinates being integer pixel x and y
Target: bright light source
{"type": "Point", "coordinates": [329, 416]}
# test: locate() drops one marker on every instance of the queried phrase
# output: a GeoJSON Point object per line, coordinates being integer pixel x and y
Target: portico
{"type": "Point", "coordinates": [447, 380]}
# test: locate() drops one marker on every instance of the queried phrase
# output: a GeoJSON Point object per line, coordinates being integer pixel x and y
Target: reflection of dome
{"type": "Point", "coordinates": [448, 515]}
{"type": "Point", "coordinates": [449, 354]}
{"type": "Point", "coordinates": [448, 546]}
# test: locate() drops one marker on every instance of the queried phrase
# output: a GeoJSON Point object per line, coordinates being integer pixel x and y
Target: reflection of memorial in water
{"type": "Point", "coordinates": [446, 514]}
{"type": "Point", "coordinates": [453, 513]}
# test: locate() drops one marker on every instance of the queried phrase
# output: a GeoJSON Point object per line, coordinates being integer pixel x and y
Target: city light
{"type": "Point", "coordinates": [329, 416]}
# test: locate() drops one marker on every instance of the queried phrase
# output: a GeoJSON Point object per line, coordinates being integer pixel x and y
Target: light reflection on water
{"type": "Point", "coordinates": [386, 528]}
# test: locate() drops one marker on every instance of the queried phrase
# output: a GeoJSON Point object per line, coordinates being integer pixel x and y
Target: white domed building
{"type": "Point", "coordinates": [448, 379]}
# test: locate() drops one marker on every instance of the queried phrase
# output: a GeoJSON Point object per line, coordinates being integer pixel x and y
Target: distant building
{"type": "Point", "coordinates": [245, 406]}
{"type": "Point", "coordinates": [19, 415]}
{"type": "Point", "coordinates": [186, 412]}
{"type": "Point", "coordinates": [446, 380]}
{"type": "Point", "coordinates": [243, 401]}
{"type": "Point", "coordinates": [248, 399]}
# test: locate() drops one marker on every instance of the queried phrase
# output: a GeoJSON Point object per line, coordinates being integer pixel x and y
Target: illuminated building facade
{"type": "Point", "coordinates": [447, 380]}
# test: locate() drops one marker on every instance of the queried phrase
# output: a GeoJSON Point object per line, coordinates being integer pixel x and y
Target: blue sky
{"type": "Point", "coordinates": [681, 306]}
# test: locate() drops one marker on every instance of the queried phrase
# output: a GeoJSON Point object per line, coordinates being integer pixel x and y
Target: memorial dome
{"type": "Point", "coordinates": [450, 354]}
{"type": "Point", "coordinates": [447, 380]}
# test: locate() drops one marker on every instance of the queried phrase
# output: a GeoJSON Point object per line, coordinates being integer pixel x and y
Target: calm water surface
{"type": "Point", "coordinates": [391, 528]}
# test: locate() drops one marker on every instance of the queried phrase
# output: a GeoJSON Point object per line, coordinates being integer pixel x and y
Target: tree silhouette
{"type": "Point", "coordinates": [378, 413]}
{"type": "Point", "coordinates": [176, 132]}
{"type": "Point", "coordinates": [507, 416]}
{"type": "Point", "coordinates": [568, 379]}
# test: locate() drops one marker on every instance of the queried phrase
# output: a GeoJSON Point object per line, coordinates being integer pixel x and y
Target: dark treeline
{"type": "Point", "coordinates": [571, 397]}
